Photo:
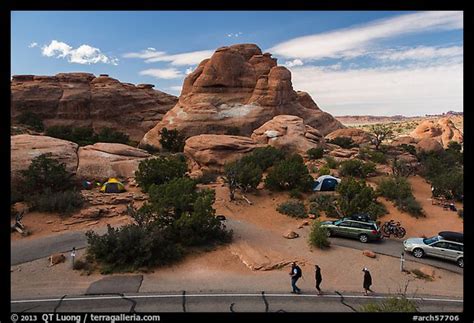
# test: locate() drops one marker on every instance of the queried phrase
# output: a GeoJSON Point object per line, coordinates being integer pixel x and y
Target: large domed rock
{"type": "Point", "coordinates": [238, 88]}
{"type": "Point", "coordinates": [214, 151]}
{"type": "Point", "coordinates": [289, 133]}
{"type": "Point", "coordinates": [81, 99]}
{"type": "Point", "coordinates": [443, 131]}
{"type": "Point", "coordinates": [359, 136]}
{"type": "Point", "coordinates": [428, 145]}
{"type": "Point", "coordinates": [24, 148]}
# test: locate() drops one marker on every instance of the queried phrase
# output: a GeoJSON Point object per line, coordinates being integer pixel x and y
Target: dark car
{"type": "Point", "coordinates": [354, 227]}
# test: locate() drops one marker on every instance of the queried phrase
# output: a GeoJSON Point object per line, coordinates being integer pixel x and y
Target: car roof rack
{"type": "Point", "coordinates": [361, 217]}
{"type": "Point", "coordinates": [452, 236]}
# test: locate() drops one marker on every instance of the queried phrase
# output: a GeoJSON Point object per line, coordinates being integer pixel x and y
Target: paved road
{"type": "Point", "coordinates": [185, 302]}
{"type": "Point", "coordinates": [391, 247]}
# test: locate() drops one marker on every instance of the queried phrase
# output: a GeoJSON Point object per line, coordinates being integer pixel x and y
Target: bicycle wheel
{"type": "Point", "coordinates": [386, 228]}
{"type": "Point", "coordinates": [400, 233]}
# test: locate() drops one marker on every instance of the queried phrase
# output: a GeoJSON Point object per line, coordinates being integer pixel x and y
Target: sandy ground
{"type": "Point", "coordinates": [258, 243]}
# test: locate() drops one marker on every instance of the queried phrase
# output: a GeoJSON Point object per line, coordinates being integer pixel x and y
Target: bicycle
{"type": "Point", "coordinates": [395, 228]}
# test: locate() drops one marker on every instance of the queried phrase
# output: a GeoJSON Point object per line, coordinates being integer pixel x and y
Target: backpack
{"type": "Point", "coordinates": [298, 272]}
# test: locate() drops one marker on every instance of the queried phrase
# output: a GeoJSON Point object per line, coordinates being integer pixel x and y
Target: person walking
{"type": "Point", "coordinates": [367, 281]}
{"type": "Point", "coordinates": [295, 275]}
{"type": "Point", "coordinates": [318, 277]}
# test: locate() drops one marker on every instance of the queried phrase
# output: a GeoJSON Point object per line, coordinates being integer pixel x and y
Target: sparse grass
{"type": "Point", "coordinates": [420, 275]}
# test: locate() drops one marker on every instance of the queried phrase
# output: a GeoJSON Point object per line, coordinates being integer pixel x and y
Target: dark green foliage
{"type": "Point", "coordinates": [380, 132]}
{"type": "Point", "coordinates": [110, 135]}
{"type": "Point", "coordinates": [64, 202]}
{"type": "Point", "coordinates": [315, 153]}
{"type": "Point", "coordinates": [402, 168]}
{"type": "Point", "coordinates": [358, 197]}
{"type": "Point", "coordinates": [395, 188]}
{"type": "Point", "coordinates": [264, 157]}
{"type": "Point", "coordinates": [160, 170]}
{"type": "Point", "coordinates": [151, 149]}
{"type": "Point", "coordinates": [208, 177]}
{"type": "Point", "coordinates": [409, 148]}
{"type": "Point", "coordinates": [331, 162]}
{"type": "Point", "coordinates": [449, 184]}
{"type": "Point", "coordinates": [296, 193]}
{"type": "Point", "coordinates": [324, 171]}
{"type": "Point", "coordinates": [289, 174]}
{"type": "Point", "coordinates": [244, 173]}
{"type": "Point", "coordinates": [233, 131]}
{"type": "Point", "coordinates": [318, 236]}
{"type": "Point", "coordinates": [44, 173]}
{"type": "Point", "coordinates": [323, 202]}
{"type": "Point", "coordinates": [356, 168]}
{"type": "Point", "coordinates": [32, 120]}
{"type": "Point", "coordinates": [343, 142]}
{"type": "Point", "coordinates": [293, 208]}
{"type": "Point", "coordinates": [82, 136]}
{"type": "Point", "coordinates": [393, 304]}
{"type": "Point", "coordinates": [373, 155]}
{"type": "Point", "coordinates": [172, 140]}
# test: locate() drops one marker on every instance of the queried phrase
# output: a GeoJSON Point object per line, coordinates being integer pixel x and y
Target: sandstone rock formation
{"type": "Point", "coordinates": [289, 133]}
{"type": "Point", "coordinates": [369, 253]}
{"type": "Point", "coordinates": [104, 160]}
{"type": "Point", "coordinates": [359, 136]}
{"type": "Point", "coordinates": [24, 148]}
{"type": "Point", "coordinates": [238, 88]}
{"type": "Point", "coordinates": [428, 144]}
{"type": "Point", "coordinates": [404, 140]}
{"type": "Point", "coordinates": [81, 99]}
{"type": "Point", "coordinates": [443, 131]}
{"type": "Point", "coordinates": [214, 151]}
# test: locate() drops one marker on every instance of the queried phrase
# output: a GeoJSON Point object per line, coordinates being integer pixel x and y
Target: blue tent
{"type": "Point", "coordinates": [326, 183]}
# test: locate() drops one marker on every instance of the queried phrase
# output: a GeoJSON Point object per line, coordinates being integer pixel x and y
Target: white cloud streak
{"type": "Point", "coordinates": [409, 90]}
{"type": "Point", "coordinates": [355, 40]}
{"type": "Point", "coordinates": [151, 55]}
{"type": "Point", "coordinates": [421, 53]}
{"type": "Point", "coordinates": [295, 62]}
{"type": "Point", "coordinates": [166, 73]}
{"type": "Point", "coordinates": [84, 54]}
{"type": "Point", "coordinates": [33, 44]}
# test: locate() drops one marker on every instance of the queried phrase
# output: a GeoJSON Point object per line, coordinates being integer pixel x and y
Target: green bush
{"type": "Point", "coordinates": [393, 304]}
{"type": "Point", "coordinates": [323, 202]}
{"type": "Point", "coordinates": [358, 197]}
{"type": "Point", "coordinates": [208, 177]}
{"type": "Point", "coordinates": [449, 184]}
{"type": "Point", "coordinates": [343, 142]}
{"type": "Point", "coordinates": [110, 135]}
{"type": "Point", "coordinates": [296, 193]}
{"type": "Point", "coordinates": [410, 205]}
{"type": "Point", "coordinates": [64, 202]}
{"type": "Point", "coordinates": [318, 236]}
{"type": "Point", "coordinates": [331, 162]}
{"type": "Point", "coordinates": [409, 149]}
{"type": "Point", "coordinates": [160, 170]}
{"type": "Point", "coordinates": [373, 155]}
{"type": "Point", "coordinates": [289, 174]}
{"type": "Point", "coordinates": [244, 174]}
{"type": "Point", "coordinates": [172, 140]}
{"type": "Point", "coordinates": [315, 153]}
{"type": "Point", "coordinates": [293, 208]}
{"type": "Point", "coordinates": [314, 209]}
{"type": "Point", "coordinates": [324, 171]}
{"type": "Point", "coordinates": [32, 120]}
{"type": "Point", "coordinates": [264, 157]}
{"type": "Point", "coordinates": [394, 188]}
{"type": "Point", "coordinates": [356, 168]}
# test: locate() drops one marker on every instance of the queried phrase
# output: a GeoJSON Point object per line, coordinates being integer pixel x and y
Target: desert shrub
{"type": "Point", "coordinates": [380, 133]}
{"type": "Point", "coordinates": [172, 140]}
{"type": "Point", "coordinates": [324, 171]}
{"type": "Point", "coordinates": [323, 202]}
{"type": "Point", "coordinates": [233, 131]}
{"type": "Point", "coordinates": [264, 157]}
{"type": "Point", "coordinates": [64, 202]}
{"type": "Point", "coordinates": [150, 149]}
{"type": "Point", "coordinates": [244, 173]}
{"type": "Point", "coordinates": [357, 197]}
{"type": "Point", "coordinates": [410, 205]}
{"type": "Point", "coordinates": [373, 155]}
{"type": "Point", "coordinates": [331, 162]}
{"type": "Point", "coordinates": [394, 188]}
{"type": "Point", "coordinates": [208, 176]}
{"type": "Point", "coordinates": [289, 174]}
{"type": "Point", "coordinates": [32, 120]}
{"type": "Point", "coordinates": [409, 149]}
{"type": "Point", "coordinates": [160, 170]}
{"type": "Point", "coordinates": [315, 153]}
{"type": "Point", "coordinates": [393, 304]}
{"type": "Point", "coordinates": [111, 135]}
{"type": "Point", "coordinates": [318, 236]}
{"type": "Point", "coordinates": [343, 142]}
{"type": "Point", "coordinates": [356, 168]}
{"type": "Point", "coordinates": [313, 168]}
{"type": "Point", "coordinates": [296, 193]}
{"type": "Point", "coordinates": [314, 209]}
{"type": "Point", "coordinates": [449, 184]}
{"type": "Point", "coordinates": [293, 208]}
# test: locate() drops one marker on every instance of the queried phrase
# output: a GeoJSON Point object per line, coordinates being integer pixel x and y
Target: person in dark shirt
{"type": "Point", "coordinates": [295, 275]}
{"type": "Point", "coordinates": [367, 281]}
{"type": "Point", "coordinates": [318, 277]}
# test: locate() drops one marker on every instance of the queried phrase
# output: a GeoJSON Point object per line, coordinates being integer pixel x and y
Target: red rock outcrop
{"type": "Point", "coordinates": [359, 136]}
{"type": "Point", "coordinates": [443, 131]}
{"type": "Point", "coordinates": [81, 99]}
{"type": "Point", "coordinates": [289, 133]}
{"type": "Point", "coordinates": [428, 144]}
{"type": "Point", "coordinates": [238, 88]}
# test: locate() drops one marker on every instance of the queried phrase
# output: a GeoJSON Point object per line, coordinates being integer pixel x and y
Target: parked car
{"type": "Point", "coordinates": [357, 227]}
{"type": "Point", "coordinates": [446, 245]}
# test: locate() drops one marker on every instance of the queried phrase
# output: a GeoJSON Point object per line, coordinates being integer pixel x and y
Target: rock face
{"type": "Point", "coordinates": [428, 144]}
{"type": "Point", "coordinates": [24, 148]}
{"type": "Point", "coordinates": [404, 140]}
{"type": "Point", "coordinates": [104, 160]}
{"type": "Point", "coordinates": [289, 133]}
{"type": "Point", "coordinates": [238, 88]}
{"type": "Point", "coordinates": [81, 99]}
{"type": "Point", "coordinates": [443, 131]}
{"type": "Point", "coordinates": [359, 136]}
{"type": "Point", "coordinates": [214, 151]}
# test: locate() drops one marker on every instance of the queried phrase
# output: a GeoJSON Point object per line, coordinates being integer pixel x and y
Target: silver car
{"type": "Point", "coordinates": [446, 245]}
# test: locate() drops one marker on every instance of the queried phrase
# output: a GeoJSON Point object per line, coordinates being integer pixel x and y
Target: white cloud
{"type": "Point", "coordinates": [84, 54]}
{"type": "Point", "coordinates": [150, 55]}
{"type": "Point", "coordinates": [295, 62]}
{"type": "Point", "coordinates": [189, 70]}
{"type": "Point", "coordinates": [236, 35]}
{"type": "Point", "coordinates": [355, 40]}
{"type": "Point", "coordinates": [33, 44]}
{"type": "Point", "coordinates": [421, 53]}
{"type": "Point", "coordinates": [409, 90]}
{"type": "Point", "coordinates": [167, 73]}
{"type": "Point", "coordinates": [176, 88]}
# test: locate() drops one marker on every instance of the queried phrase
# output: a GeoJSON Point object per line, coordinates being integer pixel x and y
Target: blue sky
{"type": "Point", "coordinates": [351, 62]}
